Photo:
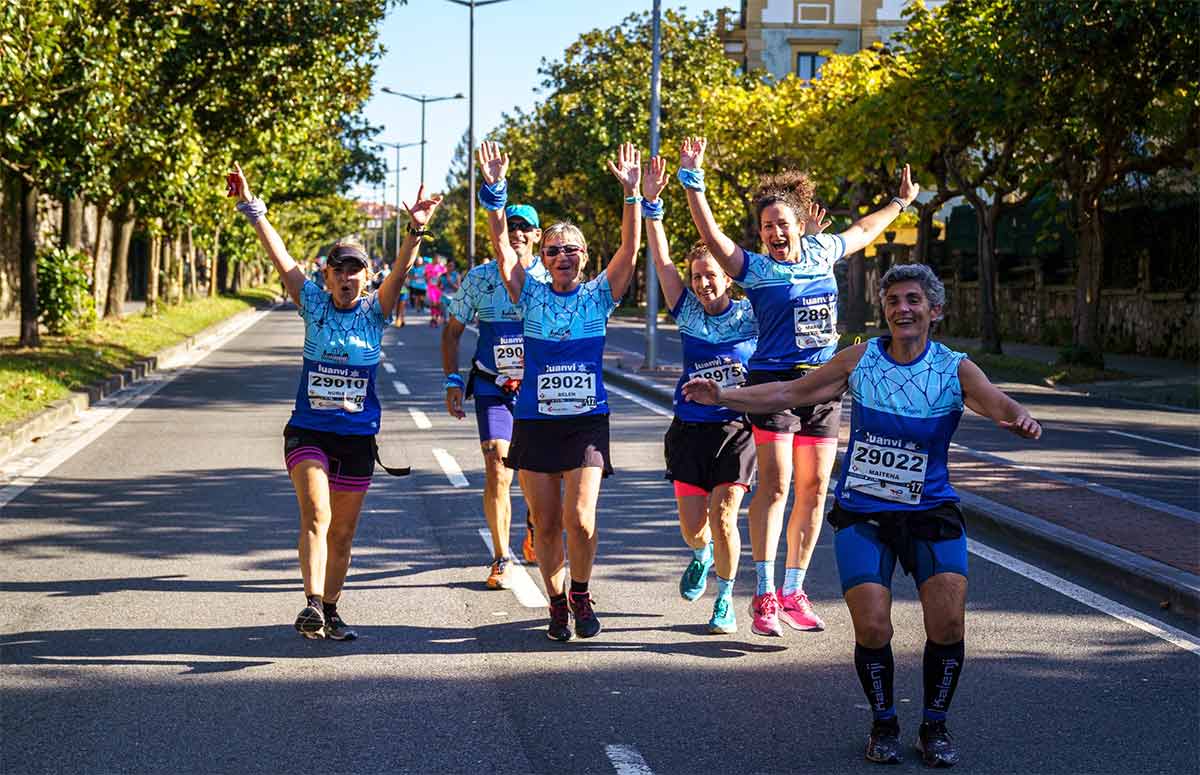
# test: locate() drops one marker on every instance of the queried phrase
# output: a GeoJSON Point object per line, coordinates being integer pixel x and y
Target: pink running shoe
{"type": "Point", "coordinates": [797, 612]}
{"type": "Point", "coordinates": [764, 613]}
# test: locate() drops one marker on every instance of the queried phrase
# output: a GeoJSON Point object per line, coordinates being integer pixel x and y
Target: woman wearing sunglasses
{"type": "Point", "coordinates": [560, 444]}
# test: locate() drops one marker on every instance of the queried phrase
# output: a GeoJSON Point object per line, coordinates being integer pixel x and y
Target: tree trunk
{"type": "Point", "coordinates": [102, 260]}
{"type": "Point", "coordinates": [71, 234]}
{"type": "Point", "coordinates": [191, 263]}
{"type": "Point", "coordinates": [29, 291]}
{"type": "Point", "coordinates": [118, 278]}
{"type": "Point", "coordinates": [167, 267]}
{"type": "Point", "coordinates": [986, 218]}
{"type": "Point", "coordinates": [177, 243]}
{"type": "Point", "coordinates": [857, 305]}
{"type": "Point", "coordinates": [1085, 332]}
{"type": "Point", "coordinates": [924, 250]}
{"type": "Point", "coordinates": [211, 263]}
{"type": "Point", "coordinates": [152, 278]}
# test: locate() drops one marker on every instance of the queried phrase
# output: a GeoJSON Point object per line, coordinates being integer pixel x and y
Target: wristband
{"type": "Point", "coordinates": [652, 210]}
{"type": "Point", "coordinates": [900, 202]}
{"type": "Point", "coordinates": [691, 179]}
{"type": "Point", "coordinates": [632, 199]}
{"type": "Point", "coordinates": [493, 196]}
{"type": "Point", "coordinates": [416, 232]}
{"type": "Point", "coordinates": [454, 380]}
{"type": "Point", "coordinates": [253, 210]}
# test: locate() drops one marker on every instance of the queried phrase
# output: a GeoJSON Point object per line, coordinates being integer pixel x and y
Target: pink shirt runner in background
{"type": "Point", "coordinates": [433, 275]}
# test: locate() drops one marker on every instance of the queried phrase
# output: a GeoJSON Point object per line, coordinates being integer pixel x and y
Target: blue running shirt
{"type": "Point", "coordinates": [900, 427]}
{"type": "Point", "coordinates": [341, 355]}
{"type": "Point", "coordinates": [715, 347]}
{"type": "Point", "coordinates": [564, 349]}
{"type": "Point", "coordinates": [500, 348]}
{"type": "Point", "coordinates": [796, 304]}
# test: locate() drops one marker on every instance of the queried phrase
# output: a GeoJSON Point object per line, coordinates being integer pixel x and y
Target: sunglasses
{"type": "Point", "coordinates": [567, 250]}
{"type": "Point", "coordinates": [520, 226]}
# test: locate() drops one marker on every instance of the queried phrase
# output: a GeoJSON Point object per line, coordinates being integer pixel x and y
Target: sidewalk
{"type": "Point", "coordinates": [1142, 550]}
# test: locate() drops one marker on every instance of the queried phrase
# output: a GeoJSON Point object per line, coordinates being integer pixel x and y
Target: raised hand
{"type": "Point", "coordinates": [493, 165]}
{"type": "Point", "coordinates": [816, 221]}
{"type": "Point", "coordinates": [702, 391]}
{"type": "Point", "coordinates": [691, 153]}
{"type": "Point", "coordinates": [237, 179]}
{"type": "Point", "coordinates": [627, 168]}
{"type": "Point", "coordinates": [908, 189]}
{"type": "Point", "coordinates": [655, 179]}
{"type": "Point", "coordinates": [421, 211]}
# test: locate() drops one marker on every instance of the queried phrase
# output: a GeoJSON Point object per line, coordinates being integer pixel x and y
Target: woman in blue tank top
{"type": "Point", "coordinates": [894, 498]}
{"type": "Point", "coordinates": [560, 434]}
{"type": "Point", "coordinates": [329, 442]}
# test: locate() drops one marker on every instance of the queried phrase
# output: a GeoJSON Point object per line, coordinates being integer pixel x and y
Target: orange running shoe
{"type": "Point", "coordinates": [500, 575]}
{"type": "Point", "coordinates": [527, 547]}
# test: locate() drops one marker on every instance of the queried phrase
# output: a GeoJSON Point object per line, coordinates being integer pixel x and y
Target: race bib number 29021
{"type": "Point", "coordinates": [566, 392]}
{"type": "Point", "coordinates": [887, 472]}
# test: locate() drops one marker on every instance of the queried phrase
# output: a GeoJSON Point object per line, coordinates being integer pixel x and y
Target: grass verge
{"type": "Point", "coordinates": [32, 379]}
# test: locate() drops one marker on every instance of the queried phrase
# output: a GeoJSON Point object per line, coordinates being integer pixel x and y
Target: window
{"type": "Point", "coordinates": [808, 65]}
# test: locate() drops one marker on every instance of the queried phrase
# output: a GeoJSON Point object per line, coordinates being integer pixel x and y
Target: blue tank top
{"type": "Point", "coordinates": [500, 348]}
{"type": "Point", "coordinates": [796, 304]}
{"type": "Point", "coordinates": [341, 355]}
{"type": "Point", "coordinates": [715, 347]}
{"type": "Point", "coordinates": [564, 349]}
{"type": "Point", "coordinates": [900, 427]}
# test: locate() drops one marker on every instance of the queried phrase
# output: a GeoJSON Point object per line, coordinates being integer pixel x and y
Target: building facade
{"type": "Point", "coordinates": [792, 36]}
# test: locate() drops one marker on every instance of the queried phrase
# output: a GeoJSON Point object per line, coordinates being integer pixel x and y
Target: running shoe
{"type": "Point", "coordinates": [310, 622]}
{"type": "Point", "coordinates": [337, 629]}
{"type": "Point", "coordinates": [560, 622]}
{"type": "Point", "coordinates": [500, 576]}
{"type": "Point", "coordinates": [797, 612]}
{"type": "Point", "coordinates": [936, 745]}
{"type": "Point", "coordinates": [765, 612]}
{"type": "Point", "coordinates": [527, 548]}
{"type": "Point", "coordinates": [695, 579]}
{"type": "Point", "coordinates": [883, 744]}
{"type": "Point", "coordinates": [723, 621]}
{"type": "Point", "coordinates": [586, 623]}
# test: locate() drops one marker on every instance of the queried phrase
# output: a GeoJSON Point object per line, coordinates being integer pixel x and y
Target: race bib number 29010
{"type": "Point", "coordinates": [888, 472]}
{"type": "Point", "coordinates": [330, 391]}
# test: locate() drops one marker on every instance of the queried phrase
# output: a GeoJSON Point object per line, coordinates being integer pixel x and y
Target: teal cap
{"type": "Point", "coordinates": [525, 213]}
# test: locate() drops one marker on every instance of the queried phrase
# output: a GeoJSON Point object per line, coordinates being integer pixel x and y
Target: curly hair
{"type": "Point", "coordinates": [790, 187]}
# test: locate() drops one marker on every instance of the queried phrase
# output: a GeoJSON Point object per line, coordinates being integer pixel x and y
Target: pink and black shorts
{"type": "Point", "coordinates": [804, 425]}
{"type": "Point", "coordinates": [348, 460]}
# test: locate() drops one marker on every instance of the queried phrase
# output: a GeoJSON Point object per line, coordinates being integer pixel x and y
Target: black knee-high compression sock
{"type": "Point", "coordinates": [877, 670]}
{"type": "Point", "coordinates": [943, 664]}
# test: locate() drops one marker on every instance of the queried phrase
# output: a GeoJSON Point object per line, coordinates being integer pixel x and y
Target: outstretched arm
{"type": "Point", "coordinates": [990, 401]}
{"type": "Point", "coordinates": [824, 384]}
{"type": "Point", "coordinates": [289, 270]}
{"type": "Point", "coordinates": [420, 213]}
{"type": "Point", "coordinates": [653, 183]}
{"type": "Point", "coordinates": [493, 166]}
{"type": "Point", "coordinates": [725, 250]}
{"type": "Point", "coordinates": [628, 170]}
{"type": "Point", "coordinates": [864, 231]}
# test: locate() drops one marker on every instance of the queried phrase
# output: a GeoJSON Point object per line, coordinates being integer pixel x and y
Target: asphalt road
{"type": "Point", "coordinates": [150, 583]}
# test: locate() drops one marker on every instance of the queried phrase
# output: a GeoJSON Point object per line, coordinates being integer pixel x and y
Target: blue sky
{"type": "Point", "coordinates": [426, 43]}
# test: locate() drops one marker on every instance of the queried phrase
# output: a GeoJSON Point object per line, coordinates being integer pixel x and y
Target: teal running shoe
{"type": "Point", "coordinates": [723, 621]}
{"type": "Point", "coordinates": [695, 578]}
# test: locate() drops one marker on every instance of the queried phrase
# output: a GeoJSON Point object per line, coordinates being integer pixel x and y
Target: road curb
{"type": "Point", "coordinates": [63, 412]}
{"type": "Point", "coordinates": [1130, 571]}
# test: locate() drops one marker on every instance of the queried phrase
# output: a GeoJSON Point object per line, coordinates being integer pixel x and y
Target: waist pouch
{"type": "Point", "coordinates": [899, 530]}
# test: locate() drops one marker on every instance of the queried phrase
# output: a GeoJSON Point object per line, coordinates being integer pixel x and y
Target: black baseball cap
{"type": "Point", "coordinates": [343, 254]}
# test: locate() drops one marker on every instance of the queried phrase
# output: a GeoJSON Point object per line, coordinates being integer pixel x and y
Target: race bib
{"type": "Point", "coordinates": [566, 392]}
{"type": "Point", "coordinates": [727, 375]}
{"type": "Point", "coordinates": [815, 324]}
{"type": "Point", "coordinates": [509, 356]}
{"type": "Point", "coordinates": [330, 391]}
{"type": "Point", "coordinates": [887, 472]}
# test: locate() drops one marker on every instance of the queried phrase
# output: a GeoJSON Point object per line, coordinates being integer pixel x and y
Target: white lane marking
{"type": "Point", "coordinates": [419, 419]}
{"type": "Point", "coordinates": [526, 591]}
{"type": "Point", "coordinates": [1149, 503]}
{"type": "Point", "coordinates": [450, 467]}
{"type": "Point", "coordinates": [639, 401]}
{"type": "Point", "coordinates": [1155, 441]}
{"type": "Point", "coordinates": [1089, 598]}
{"type": "Point", "coordinates": [627, 761]}
{"type": "Point", "coordinates": [401, 388]}
{"type": "Point", "coordinates": [389, 368]}
{"type": "Point", "coordinates": [94, 422]}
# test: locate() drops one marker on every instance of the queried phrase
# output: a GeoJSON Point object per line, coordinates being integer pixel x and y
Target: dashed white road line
{"type": "Point", "coordinates": [389, 368]}
{"type": "Point", "coordinates": [639, 401]}
{"type": "Point", "coordinates": [1155, 441]}
{"type": "Point", "coordinates": [527, 593]}
{"type": "Point", "coordinates": [401, 388]}
{"type": "Point", "coordinates": [419, 419]}
{"type": "Point", "coordinates": [627, 761]}
{"type": "Point", "coordinates": [450, 467]}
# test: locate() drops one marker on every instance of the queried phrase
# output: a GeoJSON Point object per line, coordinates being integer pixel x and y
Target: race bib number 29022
{"type": "Point", "coordinates": [566, 392]}
{"type": "Point", "coordinates": [887, 472]}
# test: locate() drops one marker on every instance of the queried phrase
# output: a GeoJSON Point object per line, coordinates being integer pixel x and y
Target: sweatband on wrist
{"type": "Point", "coordinates": [454, 380]}
{"type": "Point", "coordinates": [652, 210]}
{"type": "Point", "coordinates": [493, 196]}
{"type": "Point", "coordinates": [900, 202]}
{"type": "Point", "coordinates": [632, 199]}
{"type": "Point", "coordinates": [692, 179]}
{"type": "Point", "coordinates": [253, 210]}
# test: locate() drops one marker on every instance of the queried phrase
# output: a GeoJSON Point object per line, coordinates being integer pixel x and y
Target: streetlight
{"type": "Point", "coordinates": [398, 146]}
{"type": "Point", "coordinates": [471, 125]}
{"type": "Point", "coordinates": [655, 109]}
{"type": "Point", "coordinates": [424, 100]}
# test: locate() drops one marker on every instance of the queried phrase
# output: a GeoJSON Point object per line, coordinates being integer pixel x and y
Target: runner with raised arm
{"type": "Point", "coordinates": [560, 445]}
{"type": "Point", "coordinates": [709, 450]}
{"type": "Point", "coordinates": [894, 500]}
{"type": "Point", "coordinates": [329, 442]}
{"type": "Point", "coordinates": [794, 295]}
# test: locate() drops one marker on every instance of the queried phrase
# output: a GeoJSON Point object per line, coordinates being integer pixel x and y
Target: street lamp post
{"type": "Point", "coordinates": [471, 4]}
{"type": "Point", "coordinates": [398, 146]}
{"type": "Point", "coordinates": [424, 100]}
{"type": "Point", "coordinates": [655, 111]}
